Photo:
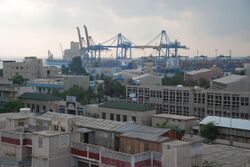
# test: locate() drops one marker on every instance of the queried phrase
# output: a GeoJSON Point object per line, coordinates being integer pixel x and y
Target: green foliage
{"type": "Point", "coordinates": [242, 72]}
{"type": "Point", "coordinates": [18, 79]}
{"type": "Point", "coordinates": [100, 93]}
{"type": "Point", "coordinates": [75, 67]}
{"type": "Point", "coordinates": [12, 106]}
{"type": "Point", "coordinates": [178, 79]}
{"type": "Point", "coordinates": [82, 96]}
{"type": "Point", "coordinates": [113, 88]}
{"type": "Point", "coordinates": [209, 131]}
{"type": "Point", "coordinates": [1, 72]}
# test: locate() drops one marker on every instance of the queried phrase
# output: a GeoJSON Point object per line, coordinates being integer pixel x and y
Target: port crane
{"type": "Point", "coordinates": [123, 46]}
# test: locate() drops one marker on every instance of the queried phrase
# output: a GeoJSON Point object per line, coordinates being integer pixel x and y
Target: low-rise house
{"type": "Point", "coordinates": [203, 74]}
{"type": "Point", "coordinates": [238, 129]}
{"type": "Point", "coordinates": [123, 112]}
{"type": "Point", "coordinates": [40, 103]}
{"type": "Point", "coordinates": [183, 122]}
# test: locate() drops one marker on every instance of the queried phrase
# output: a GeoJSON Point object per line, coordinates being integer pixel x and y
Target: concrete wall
{"type": "Point", "coordinates": [183, 124]}
{"type": "Point", "coordinates": [78, 80]}
{"type": "Point", "coordinates": [30, 68]}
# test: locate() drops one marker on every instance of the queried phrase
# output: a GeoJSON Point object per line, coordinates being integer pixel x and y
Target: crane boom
{"type": "Point", "coordinates": [79, 36]}
{"type": "Point", "coordinates": [87, 35]}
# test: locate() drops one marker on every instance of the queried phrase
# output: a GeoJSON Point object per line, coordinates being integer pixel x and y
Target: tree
{"type": "Point", "coordinates": [83, 96]}
{"type": "Point", "coordinates": [100, 93]}
{"type": "Point", "coordinates": [113, 88]}
{"type": "Point", "coordinates": [18, 79]}
{"type": "Point", "coordinates": [65, 70]}
{"type": "Point", "coordinates": [12, 106]}
{"type": "Point", "coordinates": [209, 131]}
{"type": "Point", "coordinates": [76, 66]}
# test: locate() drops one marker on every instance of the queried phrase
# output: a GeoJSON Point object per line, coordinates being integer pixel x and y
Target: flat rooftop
{"type": "Point", "coordinates": [49, 133]}
{"type": "Point", "coordinates": [172, 116]}
{"type": "Point", "coordinates": [39, 97]}
{"type": "Point", "coordinates": [125, 106]}
{"type": "Point", "coordinates": [197, 71]}
{"type": "Point", "coordinates": [226, 122]}
{"type": "Point", "coordinates": [230, 79]}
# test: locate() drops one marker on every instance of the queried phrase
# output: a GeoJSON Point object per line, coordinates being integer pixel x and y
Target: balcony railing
{"type": "Point", "coordinates": [16, 138]}
{"type": "Point", "coordinates": [14, 163]}
{"type": "Point", "coordinates": [114, 158]}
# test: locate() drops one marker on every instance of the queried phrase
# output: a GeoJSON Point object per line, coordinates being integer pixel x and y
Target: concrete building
{"type": "Point", "coordinates": [40, 103]}
{"type": "Point", "coordinates": [66, 140]}
{"type": "Point", "coordinates": [232, 83]}
{"type": "Point", "coordinates": [71, 106]}
{"type": "Point", "coordinates": [30, 68]}
{"type": "Point", "coordinates": [74, 51]}
{"type": "Point", "coordinates": [203, 74]}
{"type": "Point", "coordinates": [190, 150]}
{"type": "Point", "coordinates": [183, 122]}
{"type": "Point", "coordinates": [9, 92]}
{"type": "Point", "coordinates": [146, 79]}
{"type": "Point", "coordinates": [50, 148]}
{"type": "Point", "coordinates": [59, 83]}
{"type": "Point", "coordinates": [122, 112]}
{"type": "Point", "coordinates": [239, 129]}
{"type": "Point", "coordinates": [190, 101]}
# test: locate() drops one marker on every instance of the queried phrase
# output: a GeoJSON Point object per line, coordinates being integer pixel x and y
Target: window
{"type": "Point", "coordinates": [124, 118]}
{"type": "Point", "coordinates": [103, 115]}
{"type": "Point", "coordinates": [40, 141]}
{"type": "Point", "coordinates": [55, 127]}
{"type": "Point", "coordinates": [118, 117]}
{"type": "Point", "coordinates": [134, 118]}
{"type": "Point", "coordinates": [111, 116]}
{"type": "Point", "coordinates": [20, 123]}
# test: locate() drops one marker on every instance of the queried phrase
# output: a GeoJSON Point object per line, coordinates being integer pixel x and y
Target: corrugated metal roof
{"type": "Point", "coordinates": [107, 125]}
{"type": "Point", "coordinates": [92, 123]}
{"type": "Point", "coordinates": [198, 71]}
{"type": "Point", "coordinates": [147, 133]}
{"type": "Point", "coordinates": [230, 79]}
{"type": "Point", "coordinates": [225, 122]}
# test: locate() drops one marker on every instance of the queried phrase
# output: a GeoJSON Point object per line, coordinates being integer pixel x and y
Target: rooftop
{"type": "Point", "coordinates": [172, 116]}
{"type": "Point", "coordinates": [147, 133]}
{"type": "Point", "coordinates": [38, 97]}
{"type": "Point", "coordinates": [198, 71]}
{"type": "Point", "coordinates": [144, 75]}
{"type": "Point", "coordinates": [49, 133]}
{"type": "Point", "coordinates": [230, 79]}
{"type": "Point", "coordinates": [125, 106]}
{"type": "Point", "coordinates": [225, 122]}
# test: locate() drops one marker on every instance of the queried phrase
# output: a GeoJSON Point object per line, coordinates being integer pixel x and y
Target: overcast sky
{"type": "Point", "coordinates": [32, 27]}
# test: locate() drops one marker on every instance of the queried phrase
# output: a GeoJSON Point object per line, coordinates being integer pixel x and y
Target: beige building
{"type": "Point", "coordinates": [190, 101]}
{"type": "Point", "coordinates": [10, 92]}
{"type": "Point", "coordinates": [40, 103]}
{"type": "Point", "coordinates": [237, 129]}
{"type": "Point", "coordinates": [186, 153]}
{"type": "Point", "coordinates": [183, 122]}
{"type": "Point", "coordinates": [31, 68]}
{"type": "Point", "coordinates": [50, 149]}
{"type": "Point", "coordinates": [232, 82]}
{"type": "Point", "coordinates": [203, 74]}
{"type": "Point", "coordinates": [122, 112]}
{"type": "Point", "coordinates": [54, 139]}
{"type": "Point", "coordinates": [74, 51]}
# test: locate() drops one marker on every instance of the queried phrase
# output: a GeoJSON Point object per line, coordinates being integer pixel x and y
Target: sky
{"type": "Point", "coordinates": [32, 27]}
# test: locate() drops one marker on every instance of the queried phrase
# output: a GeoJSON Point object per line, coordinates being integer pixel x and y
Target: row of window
{"type": "Point", "coordinates": [117, 117]}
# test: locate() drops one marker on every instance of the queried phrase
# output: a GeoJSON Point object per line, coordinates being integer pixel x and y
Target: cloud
{"type": "Point", "coordinates": [196, 23]}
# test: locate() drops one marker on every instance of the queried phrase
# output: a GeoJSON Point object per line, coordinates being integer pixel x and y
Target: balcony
{"type": "Point", "coordinates": [14, 163]}
{"type": "Point", "coordinates": [113, 158]}
{"type": "Point", "coordinates": [16, 137]}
